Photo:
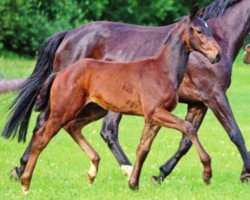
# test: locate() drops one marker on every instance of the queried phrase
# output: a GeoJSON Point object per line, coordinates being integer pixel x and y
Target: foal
{"type": "Point", "coordinates": [246, 57]}
{"type": "Point", "coordinates": [87, 89]}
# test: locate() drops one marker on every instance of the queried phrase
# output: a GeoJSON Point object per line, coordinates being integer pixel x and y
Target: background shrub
{"type": "Point", "coordinates": [24, 24]}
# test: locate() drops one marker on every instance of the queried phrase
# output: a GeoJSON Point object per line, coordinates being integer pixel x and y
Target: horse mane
{"type": "Point", "coordinates": [218, 8]}
{"type": "Point", "coordinates": [175, 27]}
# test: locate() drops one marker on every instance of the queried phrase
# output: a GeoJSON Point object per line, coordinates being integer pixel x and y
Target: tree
{"type": "Point", "coordinates": [24, 24]}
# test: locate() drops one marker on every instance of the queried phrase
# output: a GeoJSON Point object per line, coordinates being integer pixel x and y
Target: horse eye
{"type": "Point", "coordinates": [199, 32]}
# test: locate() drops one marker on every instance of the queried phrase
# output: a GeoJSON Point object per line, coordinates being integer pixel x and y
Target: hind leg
{"type": "Point", "coordinates": [74, 129]}
{"type": "Point", "coordinates": [17, 172]}
{"type": "Point", "coordinates": [40, 141]}
{"type": "Point", "coordinates": [59, 115]}
{"type": "Point", "coordinates": [89, 114]}
{"type": "Point", "coordinates": [109, 133]}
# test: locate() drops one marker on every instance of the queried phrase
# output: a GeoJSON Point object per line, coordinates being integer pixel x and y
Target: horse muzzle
{"type": "Point", "coordinates": [214, 58]}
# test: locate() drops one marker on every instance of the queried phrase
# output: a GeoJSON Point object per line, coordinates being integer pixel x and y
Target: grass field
{"type": "Point", "coordinates": [60, 171]}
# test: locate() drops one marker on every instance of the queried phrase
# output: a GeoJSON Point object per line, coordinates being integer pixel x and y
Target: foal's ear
{"type": "Point", "coordinates": [201, 12]}
{"type": "Point", "coordinates": [193, 11]}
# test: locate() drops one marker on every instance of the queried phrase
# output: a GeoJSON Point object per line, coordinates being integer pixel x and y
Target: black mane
{"type": "Point", "coordinates": [217, 8]}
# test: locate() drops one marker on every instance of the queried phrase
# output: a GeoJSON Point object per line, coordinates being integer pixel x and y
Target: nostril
{"type": "Point", "coordinates": [218, 57]}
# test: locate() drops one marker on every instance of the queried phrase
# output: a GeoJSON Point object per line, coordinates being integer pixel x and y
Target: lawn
{"type": "Point", "coordinates": [60, 171]}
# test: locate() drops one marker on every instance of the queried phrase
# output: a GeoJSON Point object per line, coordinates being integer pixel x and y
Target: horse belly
{"type": "Point", "coordinates": [117, 100]}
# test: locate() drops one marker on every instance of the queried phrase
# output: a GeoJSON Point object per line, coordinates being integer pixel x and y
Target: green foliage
{"type": "Point", "coordinates": [24, 24]}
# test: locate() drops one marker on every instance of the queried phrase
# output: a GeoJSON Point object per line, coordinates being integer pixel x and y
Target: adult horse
{"type": "Point", "coordinates": [246, 57]}
{"type": "Point", "coordinates": [204, 85]}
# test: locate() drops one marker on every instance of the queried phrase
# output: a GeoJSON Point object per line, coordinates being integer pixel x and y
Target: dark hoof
{"type": "Point", "coordinates": [156, 180]}
{"type": "Point", "coordinates": [245, 176]}
{"type": "Point", "coordinates": [133, 186]}
{"type": "Point", "coordinates": [90, 178]}
{"type": "Point", "coordinates": [206, 179]}
{"type": "Point", "coordinates": [14, 174]}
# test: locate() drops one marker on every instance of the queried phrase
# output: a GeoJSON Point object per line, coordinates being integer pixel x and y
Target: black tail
{"type": "Point", "coordinates": [44, 95]}
{"type": "Point", "coordinates": [23, 104]}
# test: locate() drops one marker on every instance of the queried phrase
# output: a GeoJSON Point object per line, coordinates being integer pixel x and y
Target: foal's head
{"type": "Point", "coordinates": [246, 57]}
{"type": "Point", "coordinates": [199, 37]}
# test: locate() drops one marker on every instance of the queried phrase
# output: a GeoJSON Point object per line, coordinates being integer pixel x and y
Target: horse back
{"type": "Point", "coordinates": [109, 41]}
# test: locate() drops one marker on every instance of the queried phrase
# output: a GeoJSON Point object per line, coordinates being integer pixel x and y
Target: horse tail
{"type": "Point", "coordinates": [21, 107]}
{"type": "Point", "coordinates": [44, 95]}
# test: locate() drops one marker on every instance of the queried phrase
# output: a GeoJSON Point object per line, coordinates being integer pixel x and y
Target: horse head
{"type": "Point", "coordinates": [200, 38]}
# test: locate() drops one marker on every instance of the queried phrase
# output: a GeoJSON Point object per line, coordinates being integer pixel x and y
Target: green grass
{"type": "Point", "coordinates": [60, 171]}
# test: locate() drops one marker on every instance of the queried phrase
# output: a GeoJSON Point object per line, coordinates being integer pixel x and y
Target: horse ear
{"type": "Point", "coordinates": [193, 11]}
{"type": "Point", "coordinates": [201, 12]}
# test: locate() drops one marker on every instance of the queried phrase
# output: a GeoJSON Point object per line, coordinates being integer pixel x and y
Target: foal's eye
{"type": "Point", "coordinates": [199, 32]}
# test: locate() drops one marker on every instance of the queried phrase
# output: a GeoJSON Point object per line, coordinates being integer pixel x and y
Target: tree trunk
{"type": "Point", "coordinates": [8, 85]}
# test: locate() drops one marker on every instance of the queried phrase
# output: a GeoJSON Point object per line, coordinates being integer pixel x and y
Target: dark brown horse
{"type": "Point", "coordinates": [151, 91]}
{"type": "Point", "coordinates": [204, 85]}
{"type": "Point", "coordinates": [246, 57]}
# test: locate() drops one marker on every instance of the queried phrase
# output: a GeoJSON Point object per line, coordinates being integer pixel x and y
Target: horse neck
{"type": "Point", "coordinates": [173, 56]}
{"type": "Point", "coordinates": [231, 29]}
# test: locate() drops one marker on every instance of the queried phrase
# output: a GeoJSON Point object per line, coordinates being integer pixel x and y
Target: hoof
{"type": "Point", "coordinates": [25, 190]}
{"type": "Point", "coordinates": [133, 186]}
{"type": "Point", "coordinates": [90, 178]}
{"type": "Point", "coordinates": [206, 179]}
{"type": "Point", "coordinates": [156, 180]}
{"type": "Point", "coordinates": [14, 174]}
{"type": "Point", "coordinates": [245, 176]}
{"type": "Point", "coordinates": [127, 170]}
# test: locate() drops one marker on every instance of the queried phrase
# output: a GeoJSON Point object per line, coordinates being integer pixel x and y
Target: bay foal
{"type": "Point", "coordinates": [246, 57]}
{"type": "Point", "coordinates": [87, 89]}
